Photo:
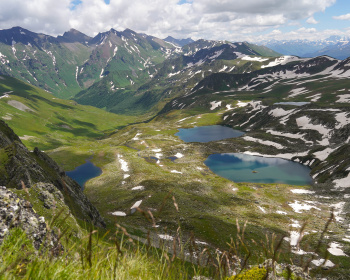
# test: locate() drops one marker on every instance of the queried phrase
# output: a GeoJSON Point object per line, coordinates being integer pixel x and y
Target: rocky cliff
{"type": "Point", "coordinates": [21, 168]}
{"type": "Point", "coordinates": [17, 212]}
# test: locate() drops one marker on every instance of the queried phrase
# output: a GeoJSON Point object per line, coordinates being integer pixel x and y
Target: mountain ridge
{"type": "Point", "coordinates": [331, 46]}
{"type": "Point", "coordinates": [61, 65]}
{"type": "Point", "coordinates": [179, 42]}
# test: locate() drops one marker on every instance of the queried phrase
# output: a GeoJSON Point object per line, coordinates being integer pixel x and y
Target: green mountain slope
{"type": "Point", "coordinates": [175, 76]}
{"type": "Point", "coordinates": [263, 50]}
{"type": "Point", "coordinates": [70, 63]}
{"type": "Point", "coordinates": [43, 121]}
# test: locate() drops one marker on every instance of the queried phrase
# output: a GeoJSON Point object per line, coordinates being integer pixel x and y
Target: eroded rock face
{"type": "Point", "coordinates": [20, 167]}
{"type": "Point", "coordinates": [17, 212]}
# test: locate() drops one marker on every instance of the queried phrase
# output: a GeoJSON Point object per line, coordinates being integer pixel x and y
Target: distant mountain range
{"type": "Point", "coordinates": [124, 68]}
{"type": "Point", "coordinates": [178, 42]}
{"type": "Point", "coordinates": [131, 73]}
{"type": "Point", "coordinates": [334, 46]}
{"type": "Point", "coordinates": [70, 63]}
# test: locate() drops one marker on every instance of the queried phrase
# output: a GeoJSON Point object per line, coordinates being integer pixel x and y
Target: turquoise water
{"type": "Point", "coordinates": [84, 172]}
{"type": "Point", "coordinates": [239, 168]}
{"type": "Point", "coordinates": [207, 133]}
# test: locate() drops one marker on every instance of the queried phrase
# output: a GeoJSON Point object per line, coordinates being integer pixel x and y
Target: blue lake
{"type": "Point", "coordinates": [207, 133]}
{"type": "Point", "coordinates": [84, 172]}
{"type": "Point", "coordinates": [246, 168]}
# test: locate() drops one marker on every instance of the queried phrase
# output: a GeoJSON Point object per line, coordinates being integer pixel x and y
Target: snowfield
{"type": "Point", "coordinates": [305, 123]}
{"type": "Point", "coordinates": [282, 61]}
{"type": "Point", "coordinates": [264, 142]}
{"type": "Point", "coordinates": [215, 104]}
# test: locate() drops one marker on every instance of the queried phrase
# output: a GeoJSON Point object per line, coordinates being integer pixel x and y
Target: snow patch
{"type": "Point", "coordinates": [345, 98]}
{"type": "Point", "coordinates": [322, 155]}
{"type": "Point", "coordinates": [297, 91]}
{"type": "Point", "coordinates": [179, 155]}
{"type": "Point", "coordinates": [263, 142]}
{"type": "Point", "coordinates": [298, 207]}
{"type": "Point", "coordinates": [136, 204]}
{"type": "Point", "coordinates": [166, 237]}
{"type": "Point", "coordinates": [136, 137]}
{"type": "Point", "coordinates": [315, 97]}
{"type": "Point", "coordinates": [215, 104]}
{"type": "Point", "coordinates": [281, 61]}
{"type": "Point", "coordinates": [334, 249]}
{"type": "Point", "coordinates": [279, 112]}
{"type": "Point", "coordinates": [289, 135]}
{"type": "Point", "coordinates": [242, 104]}
{"type": "Point", "coordinates": [285, 156]}
{"type": "Point", "coordinates": [342, 183]}
{"type": "Point", "coordinates": [101, 76]}
{"type": "Point", "coordinates": [123, 163]}
{"type": "Point", "coordinates": [305, 123]}
{"type": "Point", "coordinates": [342, 119]}
{"type": "Point", "coordinates": [216, 54]}
{"type": "Point", "coordinates": [301, 191]}
{"type": "Point", "coordinates": [223, 68]}
{"type": "Point", "coordinates": [119, 213]}
{"type": "Point", "coordinates": [183, 119]}
{"type": "Point", "coordinates": [323, 262]}
{"type": "Point", "coordinates": [173, 74]}
{"type": "Point", "coordinates": [260, 59]}
{"type": "Point", "coordinates": [138, 188]}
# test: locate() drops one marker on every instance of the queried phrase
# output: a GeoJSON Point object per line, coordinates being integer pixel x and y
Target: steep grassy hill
{"type": "Point", "coordinates": [43, 121]}
{"type": "Point", "coordinates": [175, 76]}
{"type": "Point", "coordinates": [70, 63]}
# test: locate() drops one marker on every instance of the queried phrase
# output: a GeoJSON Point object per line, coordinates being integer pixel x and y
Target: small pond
{"type": "Point", "coordinates": [293, 103]}
{"type": "Point", "coordinates": [247, 168]}
{"type": "Point", "coordinates": [84, 172]}
{"type": "Point", "coordinates": [207, 133]}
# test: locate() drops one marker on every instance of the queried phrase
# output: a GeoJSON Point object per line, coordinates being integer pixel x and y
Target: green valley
{"type": "Point", "coordinates": [130, 93]}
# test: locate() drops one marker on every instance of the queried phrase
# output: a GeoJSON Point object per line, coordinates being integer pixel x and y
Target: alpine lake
{"type": "Point", "coordinates": [236, 167]}
{"type": "Point", "coordinates": [240, 167]}
{"type": "Point", "coordinates": [84, 172]}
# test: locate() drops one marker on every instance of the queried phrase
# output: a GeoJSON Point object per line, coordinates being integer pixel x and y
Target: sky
{"type": "Point", "coordinates": [232, 20]}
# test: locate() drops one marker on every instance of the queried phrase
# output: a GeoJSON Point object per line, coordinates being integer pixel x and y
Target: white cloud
{"type": "Point", "coordinates": [45, 16]}
{"type": "Point", "coordinates": [306, 30]}
{"type": "Point", "coordinates": [210, 19]}
{"type": "Point", "coordinates": [311, 20]}
{"type": "Point", "coordinates": [343, 17]}
{"type": "Point", "coordinates": [276, 32]}
{"type": "Point", "coordinates": [303, 33]}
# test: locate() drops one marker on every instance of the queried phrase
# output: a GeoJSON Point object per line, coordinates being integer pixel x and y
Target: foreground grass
{"type": "Point", "coordinates": [118, 256]}
{"type": "Point", "coordinates": [90, 258]}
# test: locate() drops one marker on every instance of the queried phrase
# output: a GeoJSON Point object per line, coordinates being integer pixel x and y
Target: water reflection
{"type": "Point", "coordinates": [207, 133]}
{"type": "Point", "coordinates": [247, 168]}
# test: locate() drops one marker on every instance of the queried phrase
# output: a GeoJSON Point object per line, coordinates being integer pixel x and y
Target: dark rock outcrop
{"type": "Point", "coordinates": [18, 166]}
{"type": "Point", "coordinates": [17, 212]}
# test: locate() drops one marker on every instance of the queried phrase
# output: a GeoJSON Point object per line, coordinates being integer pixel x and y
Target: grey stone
{"type": "Point", "coordinates": [17, 212]}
